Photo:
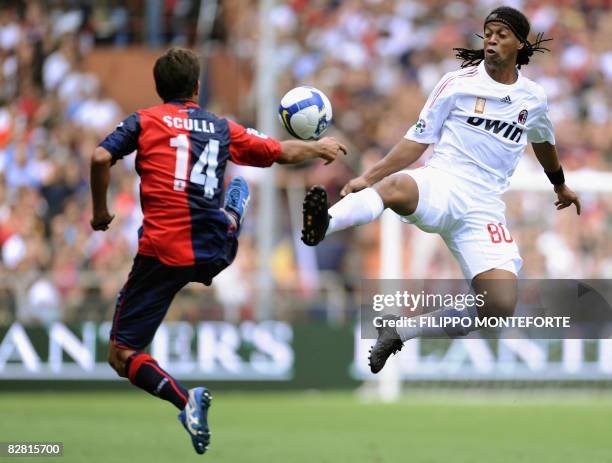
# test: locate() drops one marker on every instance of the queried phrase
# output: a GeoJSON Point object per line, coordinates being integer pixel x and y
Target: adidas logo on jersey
{"type": "Point", "coordinates": [512, 132]}
{"type": "Point", "coordinates": [506, 99]}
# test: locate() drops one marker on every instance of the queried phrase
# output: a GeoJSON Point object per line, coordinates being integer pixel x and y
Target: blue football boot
{"type": "Point", "coordinates": [237, 199]}
{"type": "Point", "coordinates": [195, 418]}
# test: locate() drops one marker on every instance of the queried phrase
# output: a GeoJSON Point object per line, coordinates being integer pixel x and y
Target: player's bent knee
{"type": "Point", "coordinates": [399, 192]}
{"type": "Point", "coordinates": [117, 359]}
{"type": "Point", "coordinates": [117, 365]}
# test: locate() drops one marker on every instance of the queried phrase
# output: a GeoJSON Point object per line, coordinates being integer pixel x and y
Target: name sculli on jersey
{"type": "Point", "coordinates": [195, 125]}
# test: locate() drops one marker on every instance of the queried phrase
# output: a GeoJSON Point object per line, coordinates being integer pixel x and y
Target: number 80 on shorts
{"type": "Point", "coordinates": [499, 233]}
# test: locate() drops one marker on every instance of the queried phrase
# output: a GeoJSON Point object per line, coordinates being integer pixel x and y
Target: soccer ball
{"type": "Point", "coordinates": [305, 112]}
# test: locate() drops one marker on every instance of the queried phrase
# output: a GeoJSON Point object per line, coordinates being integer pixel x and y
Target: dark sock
{"type": "Point", "coordinates": [144, 372]}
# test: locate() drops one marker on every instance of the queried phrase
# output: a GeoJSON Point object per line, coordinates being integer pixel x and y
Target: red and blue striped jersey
{"type": "Point", "coordinates": [181, 154]}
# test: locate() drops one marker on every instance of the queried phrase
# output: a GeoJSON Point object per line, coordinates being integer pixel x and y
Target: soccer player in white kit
{"type": "Point", "coordinates": [479, 119]}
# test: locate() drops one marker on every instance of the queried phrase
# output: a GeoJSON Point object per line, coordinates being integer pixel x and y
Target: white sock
{"type": "Point", "coordinates": [436, 331]}
{"type": "Point", "coordinates": [358, 208]}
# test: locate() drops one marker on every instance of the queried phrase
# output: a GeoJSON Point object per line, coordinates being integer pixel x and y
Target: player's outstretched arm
{"type": "Point", "coordinates": [295, 151]}
{"type": "Point", "coordinates": [100, 176]}
{"type": "Point", "coordinates": [401, 156]}
{"type": "Point", "coordinates": [549, 160]}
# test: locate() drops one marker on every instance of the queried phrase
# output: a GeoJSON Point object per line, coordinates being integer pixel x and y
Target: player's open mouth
{"type": "Point", "coordinates": [490, 51]}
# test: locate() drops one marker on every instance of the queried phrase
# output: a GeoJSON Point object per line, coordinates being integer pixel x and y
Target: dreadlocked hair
{"type": "Point", "coordinates": [469, 57]}
{"type": "Point", "coordinates": [474, 57]}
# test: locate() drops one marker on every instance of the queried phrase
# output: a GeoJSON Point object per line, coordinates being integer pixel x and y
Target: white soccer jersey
{"type": "Point", "coordinates": [480, 127]}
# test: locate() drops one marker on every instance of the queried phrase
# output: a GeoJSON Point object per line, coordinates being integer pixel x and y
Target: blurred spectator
{"type": "Point", "coordinates": [43, 303]}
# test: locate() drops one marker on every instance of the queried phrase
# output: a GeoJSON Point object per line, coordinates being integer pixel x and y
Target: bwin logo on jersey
{"type": "Point", "coordinates": [511, 132]}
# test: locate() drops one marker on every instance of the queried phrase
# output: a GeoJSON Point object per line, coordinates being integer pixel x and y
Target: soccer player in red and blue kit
{"type": "Point", "coordinates": [182, 152]}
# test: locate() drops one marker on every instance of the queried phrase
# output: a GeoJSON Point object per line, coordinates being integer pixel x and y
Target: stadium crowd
{"type": "Point", "coordinates": [376, 59]}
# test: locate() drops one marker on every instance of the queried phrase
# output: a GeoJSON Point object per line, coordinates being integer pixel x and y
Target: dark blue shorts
{"type": "Point", "coordinates": [146, 296]}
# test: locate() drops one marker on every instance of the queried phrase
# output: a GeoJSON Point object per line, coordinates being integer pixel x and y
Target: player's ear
{"type": "Point", "coordinates": [197, 88]}
{"type": "Point", "coordinates": [521, 45]}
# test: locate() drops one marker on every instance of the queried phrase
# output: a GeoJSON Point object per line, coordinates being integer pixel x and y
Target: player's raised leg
{"type": "Point", "coordinates": [141, 307]}
{"type": "Point", "coordinates": [398, 192]}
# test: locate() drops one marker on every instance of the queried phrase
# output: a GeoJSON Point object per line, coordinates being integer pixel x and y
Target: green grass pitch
{"type": "Point", "coordinates": [315, 427]}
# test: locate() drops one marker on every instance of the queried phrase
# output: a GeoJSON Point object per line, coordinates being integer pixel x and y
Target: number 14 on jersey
{"type": "Point", "coordinates": [204, 171]}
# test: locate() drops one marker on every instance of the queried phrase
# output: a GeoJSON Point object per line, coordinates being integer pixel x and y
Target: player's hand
{"type": "Point", "coordinates": [101, 221]}
{"type": "Point", "coordinates": [329, 148]}
{"type": "Point", "coordinates": [355, 185]}
{"type": "Point", "coordinates": [566, 197]}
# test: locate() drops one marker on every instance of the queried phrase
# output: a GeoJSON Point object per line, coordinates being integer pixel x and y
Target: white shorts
{"type": "Point", "coordinates": [472, 223]}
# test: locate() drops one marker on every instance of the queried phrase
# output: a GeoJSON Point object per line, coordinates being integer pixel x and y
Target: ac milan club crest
{"type": "Point", "coordinates": [522, 118]}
